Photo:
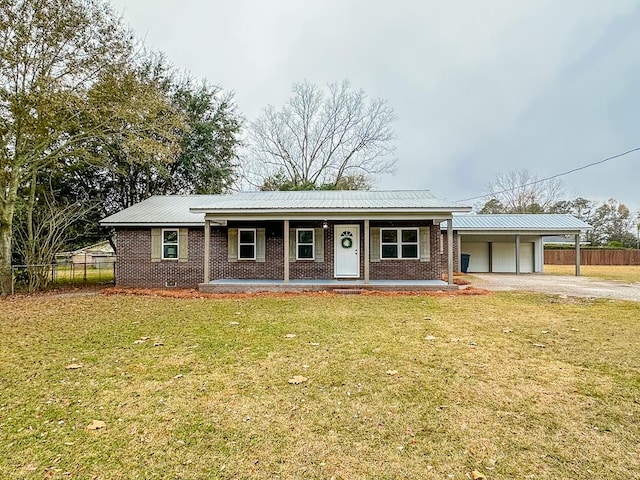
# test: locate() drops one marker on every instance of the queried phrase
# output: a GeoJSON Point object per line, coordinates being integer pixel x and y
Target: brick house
{"type": "Point", "coordinates": [286, 240]}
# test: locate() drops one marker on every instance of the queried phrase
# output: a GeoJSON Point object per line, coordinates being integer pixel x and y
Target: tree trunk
{"type": "Point", "coordinates": [7, 210]}
{"type": "Point", "coordinates": [6, 219]}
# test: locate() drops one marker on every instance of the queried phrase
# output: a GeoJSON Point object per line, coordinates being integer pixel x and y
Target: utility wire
{"type": "Point", "coordinates": [552, 176]}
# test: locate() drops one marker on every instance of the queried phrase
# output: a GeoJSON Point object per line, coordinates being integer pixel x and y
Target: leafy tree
{"type": "Point", "coordinates": [320, 138]}
{"type": "Point", "coordinates": [580, 207]}
{"type": "Point", "coordinates": [134, 154]}
{"type": "Point", "coordinates": [51, 53]}
{"type": "Point", "coordinates": [208, 157]}
{"type": "Point", "coordinates": [493, 206]}
{"type": "Point", "coordinates": [279, 181]}
{"type": "Point", "coordinates": [196, 136]}
{"type": "Point", "coordinates": [612, 224]}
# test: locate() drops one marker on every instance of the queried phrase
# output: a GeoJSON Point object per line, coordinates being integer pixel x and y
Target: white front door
{"type": "Point", "coordinates": [347, 251]}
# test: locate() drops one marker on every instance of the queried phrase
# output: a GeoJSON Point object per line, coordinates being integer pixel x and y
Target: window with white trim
{"type": "Point", "coordinates": [170, 239]}
{"type": "Point", "coordinates": [246, 243]}
{"type": "Point", "coordinates": [304, 243]}
{"type": "Point", "coordinates": [399, 243]}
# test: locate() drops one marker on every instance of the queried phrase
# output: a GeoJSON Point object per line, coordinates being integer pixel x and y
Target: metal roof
{"type": "Point", "coordinates": [175, 210]}
{"type": "Point", "coordinates": [538, 222]}
{"type": "Point", "coordinates": [337, 200]}
{"type": "Point", "coordinates": [170, 210]}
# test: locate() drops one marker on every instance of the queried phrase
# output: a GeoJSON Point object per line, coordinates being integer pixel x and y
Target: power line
{"type": "Point", "coordinates": [552, 176]}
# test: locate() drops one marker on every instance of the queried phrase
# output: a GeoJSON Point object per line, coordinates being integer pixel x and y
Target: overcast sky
{"type": "Point", "coordinates": [478, 87]}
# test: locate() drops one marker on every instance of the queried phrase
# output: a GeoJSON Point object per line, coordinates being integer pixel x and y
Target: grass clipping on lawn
{"type": "Point", "coordinates": [503, 386]}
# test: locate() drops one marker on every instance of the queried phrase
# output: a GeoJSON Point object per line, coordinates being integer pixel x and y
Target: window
{"type": "Point", "coordinates": [247, 243]}
{"type": "Point", "coordinates": [399, 243]}
{"type": "Point", "coordinates": [170, 244]}
{"type": "Point", "coordinates": [304, 244]}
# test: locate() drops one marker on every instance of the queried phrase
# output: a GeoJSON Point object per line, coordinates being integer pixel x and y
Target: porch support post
{"type": "Point", "coordinates": [450, 251]}
{"type": "Point", "coordinates": [286, 252]}
{"type": "Point", "coordinates": [517, 254]}
{"type": "Point", "coordinates": [367, 247]}
{"type": "Point", "coordinates": [207, 250]}
{"type": "Point", "coordinates": [577, 254]}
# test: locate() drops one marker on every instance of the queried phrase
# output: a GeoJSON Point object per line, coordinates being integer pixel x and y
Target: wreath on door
{"type": "Point", "coordinates": [346, 242]}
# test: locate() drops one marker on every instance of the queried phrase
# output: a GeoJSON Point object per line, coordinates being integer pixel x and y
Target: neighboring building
{"type": "Point", "coordinates": [285, 240]}
{"type": "Point", "coordinates": [511, 243]}
{"type": "Point", "coordinates": [563, 241]}
{"type": "Point", "coordinates": [96, 254]}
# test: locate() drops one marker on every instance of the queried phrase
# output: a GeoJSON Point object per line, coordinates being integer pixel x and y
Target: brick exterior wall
{"type": "Point", "coordinates": [135, 268]}
{"type": "Point", "coordinates": [310, 269]}
{"type": "Point", "coordinates": [272, 268]}
{"type": "Point", "coordinates": [409, 269]}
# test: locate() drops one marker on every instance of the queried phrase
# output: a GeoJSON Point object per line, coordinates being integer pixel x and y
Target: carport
{"type": "Point", "coordinates": [511, 243]}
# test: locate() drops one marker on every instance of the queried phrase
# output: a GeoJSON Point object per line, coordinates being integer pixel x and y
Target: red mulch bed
{"type": "Point", "coordinates": [192, 293]}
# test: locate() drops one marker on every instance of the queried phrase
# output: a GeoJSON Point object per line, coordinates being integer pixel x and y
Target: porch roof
{"type": "Point", "coordinates": [330, 204]}
{"type": "Point", "coordinates": [189, 210]}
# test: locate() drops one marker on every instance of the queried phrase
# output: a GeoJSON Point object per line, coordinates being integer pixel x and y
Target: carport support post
{"type": "Point", "coordinates": [450, 251]}
{"type": "Point", "coordinates": [517, 254]}
{"type": "Point", "coordinates": [286, 252]}
{"type": "Point", "coordinates": [207, 249]}
{"type": "Point", "coordinates": [459, 256]}
{"type": "Point", "coordinates": [577, 254]}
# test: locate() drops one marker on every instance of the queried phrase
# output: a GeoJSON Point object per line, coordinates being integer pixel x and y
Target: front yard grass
{"type": "Point", "coordinates": [510, 385]}
{"type": "Point", "coordinates": [620, 273]}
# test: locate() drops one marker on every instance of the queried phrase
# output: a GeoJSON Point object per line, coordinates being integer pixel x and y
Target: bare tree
{"type": "Point", "coordinates": [318, 139]}
{"type": "Point", "coordinates": [520, 191]}
{"type": "Point", "coordinates": [43, 233]}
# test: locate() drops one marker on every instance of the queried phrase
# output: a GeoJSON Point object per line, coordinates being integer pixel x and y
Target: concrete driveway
{"type": "Point", "coordinates": [558, 285]}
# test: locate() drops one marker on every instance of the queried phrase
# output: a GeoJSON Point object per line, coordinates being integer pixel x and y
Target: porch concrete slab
{"type": "Point", "coordinates": [244, 286]}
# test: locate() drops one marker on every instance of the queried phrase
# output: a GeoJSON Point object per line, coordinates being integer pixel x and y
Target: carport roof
{"type": "Point", "coordinates": [538, 222]}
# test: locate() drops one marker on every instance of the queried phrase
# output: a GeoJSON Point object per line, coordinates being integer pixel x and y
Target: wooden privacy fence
{"type": "Point", "coordinates": [592, 257]}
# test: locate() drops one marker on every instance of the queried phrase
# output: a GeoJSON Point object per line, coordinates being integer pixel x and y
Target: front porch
{"type": "Point", "coordinates": [319, 285]}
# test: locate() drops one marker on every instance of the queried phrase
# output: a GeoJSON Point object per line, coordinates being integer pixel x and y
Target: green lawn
{"type": "Point", "coordinates": [76, 274]}
{"type": "Point", "coordinates": [620, 273]}
{"type": "Point", "coordinates": [419, 387]}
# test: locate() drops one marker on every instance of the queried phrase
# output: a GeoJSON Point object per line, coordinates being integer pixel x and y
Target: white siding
{"type": "Point", "coordinates": [479, 259]}
{"type": "Point", "coordinates": [504, 257]}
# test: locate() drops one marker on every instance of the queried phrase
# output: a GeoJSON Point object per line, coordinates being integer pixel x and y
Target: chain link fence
{"type": "Point", "coordinates": [59, 274]}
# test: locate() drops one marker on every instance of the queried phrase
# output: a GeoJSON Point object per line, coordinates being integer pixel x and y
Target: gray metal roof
{"type": "Point", "coordinates": [539, 222]}
{"type": "Point", "coordinates": [337, 200]}
{"type": "Point", "coordinates": [169, 210]}
{"type": "Point", "coordinates": [189, 209]}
